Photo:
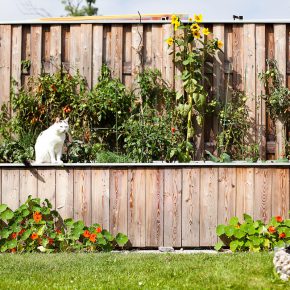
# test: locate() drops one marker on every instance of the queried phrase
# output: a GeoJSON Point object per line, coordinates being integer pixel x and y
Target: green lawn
{"type": "Point", "coordinates": [134, 271]}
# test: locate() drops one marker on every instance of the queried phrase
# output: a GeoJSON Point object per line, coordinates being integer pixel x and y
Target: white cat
{"type": "Point", "coordinates": [49, 143]}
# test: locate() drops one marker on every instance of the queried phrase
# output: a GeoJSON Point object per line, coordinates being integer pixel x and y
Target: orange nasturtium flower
{"type": "Point", "coordinates": [37, 216]}
{"type": "Point", "coordinates": [98, 229]}
{"type": "Point", "coordinates": [34, 236]}
{"type": "Point", "coordinates": [279, 219]}
{"type": "Point", "coordinates": [13, 250]}
{"type": "Point", "coordinates": [93, 238]}
{"type": "Point", "coordinates": [205, 31]}
{"type": "Point", "coordinates": [169, 41]}
{"type": "Point", "coordinates": [198, 18]}
{"type": "Point", "coordinates": [282, 235]}
{"type": "Point", "coordinates": [14, 235]}
{"type": "Point", "coordinates": [86, 234]}
{"type": "Point", "coordinates": [271, 229]}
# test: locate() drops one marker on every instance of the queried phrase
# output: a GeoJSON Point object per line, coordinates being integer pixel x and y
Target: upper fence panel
{"type": "Point", "coordinates": [127, 48]}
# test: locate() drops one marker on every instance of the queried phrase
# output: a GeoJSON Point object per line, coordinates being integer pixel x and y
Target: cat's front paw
{"type": "Point", "coordinates": [60, 162]}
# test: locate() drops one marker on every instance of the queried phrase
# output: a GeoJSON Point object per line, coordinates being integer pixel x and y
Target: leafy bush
{"type": "Point", "coordinates": [34, 226]}
{"type": "Point", "coordinates": [253, 235]}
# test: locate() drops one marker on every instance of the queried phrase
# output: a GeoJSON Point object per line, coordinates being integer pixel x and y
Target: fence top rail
{"type": "Point", "coordinates": [152, 165]}
{"type": "Point", "coordinates": [124, 21]}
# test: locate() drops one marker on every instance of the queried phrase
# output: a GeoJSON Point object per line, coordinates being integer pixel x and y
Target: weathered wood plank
{"type": "Point", "coordinates": [154, 207]}
{"type": "Point", "coordinates": [28, 184]}
{"type": "Point", "coordinates": [263, 194]}
{"type": "Point", "coordinates": [147, 56]}
{"type": "Point", "coordinates": [136, 207]}
{"type": "Point", "coordinates": [97, 51]}
{"type": "Point", "coordinates": [157, 46]}
{"type": "Point", "coordinates": [46, 185]}
{"type": "Point", "coordinates": [64, 200]}
{"type": "Point", "coordinates": [101, 197]}
{"type": "Point", "coordinates": [5, 63]}
{"type": "Point", "coordinates": [82, 195]}
{"type": "Point", "coordinates": [280, 56]}
{"type": "Point", "coordinates": [280, 192]}
{"type": "Point", "coordinates": [36, 49]}
{"type": "Point", "coordinates": [118, 201]}
{"type": "Point", "coordinates": [250, 77]}
{"type": "Point", "coordinates": [190, 207]}
{"type": "Point", "coordinates": [168, 65]}
{"type": "Point", "coordinates": [16, 53]}
{"type": "Point", "coordinates": [227, 186]}
{"type": "Point", "coordinates": [127, 56]}
{"type": "Point", "coordinates": [260, 90]}
{"type": "Point", "coordinates": [107, 44]}
{"type": "Point", "coordinates": [245, 192]}
{"type": "Point", "coordinates": [208, 206]}
{"type": "Point", "coordinates": [55, 47]}
{"type": "Point", "coordinates": [86, 52]}
{"type": "Point", "coordinates": [75, 48]}
{"type": "Point", "coordinates": [10, 188]}
{"type": "Point", "coordinates": [117, 50]}
{"type": "Point", "coordinates": [172, 207]}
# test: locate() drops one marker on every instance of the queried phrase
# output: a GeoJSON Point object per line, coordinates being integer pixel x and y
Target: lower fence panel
{"type": "Point", "coordinates": [160, 205]}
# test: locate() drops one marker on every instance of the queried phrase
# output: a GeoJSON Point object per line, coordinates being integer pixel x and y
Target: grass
{"type": "Point", "coordinates": [137, 271]}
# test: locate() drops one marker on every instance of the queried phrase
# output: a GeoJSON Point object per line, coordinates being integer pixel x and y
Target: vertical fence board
{"type": "Point", "coordinates": [260, 90]}
{"type": "Point", "coordinates": [10, 187]}
{"type": "Point", "coordinates": [263, 194]}
{"type": "Point", "coordinates": [280, 56]}
{"type": "Point", "coordinates": [97, 52]}
{"type": "Point", "coordinates": [245, 192]}
{"type": "Point", "coordinates": [55, 47]}
{"type": "Point", "coordinates": [250, 76]}
{"type": "Point", "coordinates": [101, 197]}
{"type": "Point", "coordinates": [127, 56]}
{"type": "Point", "coordinates": [228, 62]}
{"type": "Point", "coordinates": [208, 206]}
{"type": "Point", "coordinates": [35, 46]}
{"type": "Point", "coordinates": [28, 184]}
{"type": "Point", "coordinates": [117, 50]}
{"type": "Point", "coordinates": [227, 194]}
{"type": "Point", "coordinates": [64, 200]}
{"type": "Point", "coordinates": [190, 207]}
{"type": "Point", "coordinates": [16, 53]}
{"type": "Point", "coordinates": [172, 207]}
{"type": "Point", "coordinates": [157, 46]}
{"type": "Point", "coordinates": [147, 56]}
{"type": "Point", "coordinates": [46, 184]}
{"type": "Point", "coordinates": [82, 195]}
{"type": "Point", "coordinates": [280, 192]}
{"type": "Point", "coordinates": [118, 201]}
{"type": "Point", "coordinates": [154, 207]}
{"type": "Point", "coordinates": [168, 65]}
{"type": "Point", "coordinates": [107, 45]}
{"type": "Point", "coordinates": [136, 207]}
{"type": "Point", "coordinates": [75, 48]}
{"type": "Point", "coordinates": [86, 52]}
{"type": "Point", "coordinates": [5, 65]}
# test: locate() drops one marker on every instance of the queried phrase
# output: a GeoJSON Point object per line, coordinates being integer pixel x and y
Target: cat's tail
{"type": "Point", "coordinates": [26, 162]}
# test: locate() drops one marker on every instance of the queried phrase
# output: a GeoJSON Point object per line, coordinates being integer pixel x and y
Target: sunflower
{"type": "Point", "coordinates": [205, 31]}
{"type": "Point", "coordinates": [169, 41]}
{"type": "Point", "coordinates": [194, 26]}
{"type": "Point", "coordinates": [198, 18]}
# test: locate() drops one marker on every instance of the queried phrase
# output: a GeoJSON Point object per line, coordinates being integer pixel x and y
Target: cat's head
{"type": "Point", "coordinates": [61, 126]}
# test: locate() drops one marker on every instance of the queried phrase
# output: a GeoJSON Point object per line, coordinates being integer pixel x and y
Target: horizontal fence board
{"type": "Point", "coordinates": [178, 207]}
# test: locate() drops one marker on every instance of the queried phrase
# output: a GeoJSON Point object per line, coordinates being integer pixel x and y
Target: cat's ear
{"type": "Point", "coordinates": [66, 120]}
{"type": "Point", "coordinates": [57, 119]}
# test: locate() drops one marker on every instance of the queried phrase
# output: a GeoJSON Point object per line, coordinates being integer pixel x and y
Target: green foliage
{"type": "Point", "coordinates": [254, 236]}
{"type": "Point", "coordinates": [34, 226]}
{"type": "Point", "coordinates": [74, 8]}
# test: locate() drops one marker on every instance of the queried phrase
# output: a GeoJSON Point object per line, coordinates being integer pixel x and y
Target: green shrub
{"type": "Point", "coordinates": [34, 226]}
{"type": "Point", "coordinates": [253, 235]}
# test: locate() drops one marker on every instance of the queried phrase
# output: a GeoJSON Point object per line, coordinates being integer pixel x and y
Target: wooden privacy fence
{"type": "Point", "coordinates": [155, 205]}
{"type": "Point", "coordinates": [130, 47]}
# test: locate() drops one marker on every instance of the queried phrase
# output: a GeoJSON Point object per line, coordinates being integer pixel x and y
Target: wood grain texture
{"type": "Point", "coordinates": [280, 192]}
{"type": "Point", "coordinates": [82, 195]}
{"type": "Point", "coordinates": [118, 201]}
{"type": "Point", "coordinates": [227, 188]}
{"type": "Point", "coordinates": [245, 192]}
{"type": "Point", "coordinates": [5, 64]}
{"type": "Point", "coordinates": [127, 56]}
{"type": "Point", "coordinates": [157, 40]}
{"type": "Point", "coordinates": [28, 184]}
{"type": "Point", "coordinates": [86, 52]}
{"type": "Point", "coordinates": [263, 194]}
{"type": "Point", "coordinates": [137, 207]}
{"type": "Point", "coordinates": [260, 90]}
{"type": "Point", "coordinates": [117, 50]}
{"type": "Point", "coordinates": [64, 191]}
{"type": "Point", "coordinates": [46, 185]}
{"type": "Point", "coordinates": [172, 207]}
{"type": "Point", "coordinates": [208, 206]}
{"type": "Point", "coordinates": [190, 207]}
{"type": "Point", "coordinates": [97, 52]}
{"type": "Point", "coordinates": [154, 207]}
{"type": "Point", "coordinates": [168, 56]}
{"type": "Point", "coordinates": [10, 188]}
{"type": "Point", "coordinates": [55, 47]}
{"type": "Point", "coordinates": [16, 53]}
{"type": "Point", "coordinates": [36, 49]}
{"type": "Point", "coordinates": [101, 197]}
{"type": "Point", "coordinates": [147, 57]}
{"type": "Point", "coordinates": [75, 48]}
